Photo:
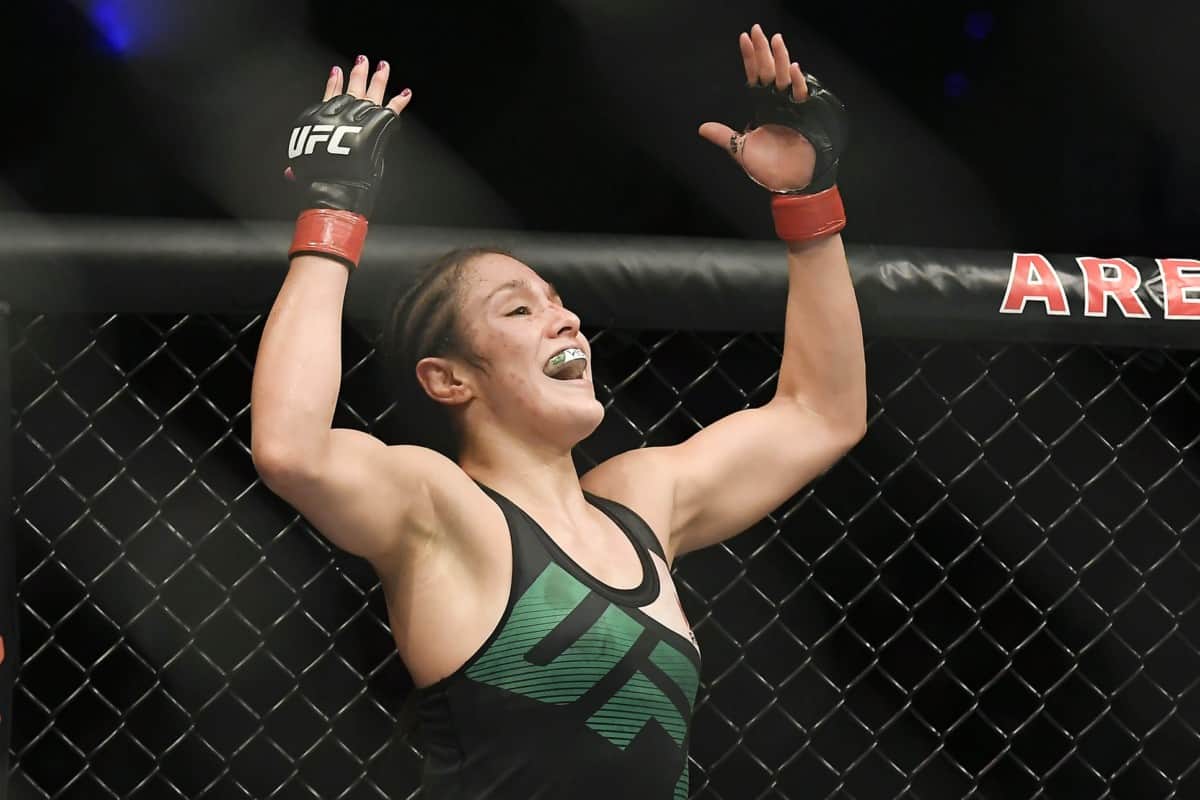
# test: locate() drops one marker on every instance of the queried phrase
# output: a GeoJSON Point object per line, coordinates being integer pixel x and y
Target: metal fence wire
{"type": "Point", "coordinates": [994, 595]}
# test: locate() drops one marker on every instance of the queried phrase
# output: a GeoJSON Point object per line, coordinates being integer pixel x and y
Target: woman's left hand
{"type": "Point", "coordinates": [774, 156]}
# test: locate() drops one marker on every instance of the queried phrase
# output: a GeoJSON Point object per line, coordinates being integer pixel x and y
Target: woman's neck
{"type": "Point", "coordinates": [545, 482]}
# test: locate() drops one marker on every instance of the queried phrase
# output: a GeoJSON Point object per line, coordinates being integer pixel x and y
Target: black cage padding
{"type": "Point", "coordinates": [632, 283]}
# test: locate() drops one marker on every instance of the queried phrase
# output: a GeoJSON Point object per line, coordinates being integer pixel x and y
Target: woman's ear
{"type": "Point", "coordinates": [442, 381]}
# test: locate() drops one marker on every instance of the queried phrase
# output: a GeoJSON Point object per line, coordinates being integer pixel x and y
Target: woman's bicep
{"type": "Point", "coordinates": [368, 498]}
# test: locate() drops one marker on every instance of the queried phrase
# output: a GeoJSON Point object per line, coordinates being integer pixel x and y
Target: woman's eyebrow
{"type": "Point", "coordinates": [518, 283]}
{"type": "Point", "coordinates": [513, 284]}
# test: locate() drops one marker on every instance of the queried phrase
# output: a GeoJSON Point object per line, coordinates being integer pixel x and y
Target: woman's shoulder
{"type": "Point", "coordinates": [637, 480]}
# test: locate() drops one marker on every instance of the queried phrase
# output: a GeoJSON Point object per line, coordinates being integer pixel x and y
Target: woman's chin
{"type": "Point", "coordinates": [581, 419]}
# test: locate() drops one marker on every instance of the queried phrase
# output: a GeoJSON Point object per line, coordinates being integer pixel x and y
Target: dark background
{"type": "Point", "coordinates": [994, 594]}
{"type": "Point", "coordinates": [1062, 126]}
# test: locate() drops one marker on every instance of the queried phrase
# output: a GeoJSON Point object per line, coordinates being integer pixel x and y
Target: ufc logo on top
{"type": "Point", "coordinates": [304, 140]}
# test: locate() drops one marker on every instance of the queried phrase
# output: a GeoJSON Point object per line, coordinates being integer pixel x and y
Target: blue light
{"type": "Point", "coordinates": [979, 24]}
{"type": "Point", "coordinates": [957, 84]}
{"type": "Point", "coordinates": [113, 23]}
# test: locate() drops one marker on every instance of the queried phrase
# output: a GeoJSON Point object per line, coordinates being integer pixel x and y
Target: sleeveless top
{"type": "Point", "coordinates": [576, 694]}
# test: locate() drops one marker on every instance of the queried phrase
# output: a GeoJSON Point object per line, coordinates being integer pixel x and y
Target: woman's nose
{"type": "Point", "coordinates": [566, 321]}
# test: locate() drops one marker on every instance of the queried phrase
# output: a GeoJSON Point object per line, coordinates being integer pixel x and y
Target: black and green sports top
{"type": "Point", "coordinates": [577, 694]}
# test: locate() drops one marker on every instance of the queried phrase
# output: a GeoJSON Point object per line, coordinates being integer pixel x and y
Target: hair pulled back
{"type": "Point", "coordinates": [426, 321]}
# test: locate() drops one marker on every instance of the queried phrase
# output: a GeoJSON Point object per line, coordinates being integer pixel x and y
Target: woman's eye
{"type": "Point", "coordinates": [518, 310]}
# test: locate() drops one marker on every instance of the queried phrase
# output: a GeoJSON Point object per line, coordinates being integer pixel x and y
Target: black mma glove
{"type": "Point", "coordinates": [821, 119]}
{"type": "Point", "coordinates": [336, 153]}
{"type": "Point", "coordinates": [816, 210]}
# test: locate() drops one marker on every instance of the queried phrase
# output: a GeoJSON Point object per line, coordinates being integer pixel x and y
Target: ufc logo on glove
{"type": "Point", "coordinates": [305, 139]}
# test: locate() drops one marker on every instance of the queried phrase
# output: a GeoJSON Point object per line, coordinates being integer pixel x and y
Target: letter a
{"type": "Point", "coordinates": [1033, 278]}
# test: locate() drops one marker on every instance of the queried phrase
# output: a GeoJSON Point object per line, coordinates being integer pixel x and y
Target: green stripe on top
{"type": "Point", "coordinates": [623, 717]}
{"type": "Point", "coordinates": [552, 596]}
{"type": "Point", "coordinates": [681, 788]}
{"type": "Point", "coordinates": [679, 668]}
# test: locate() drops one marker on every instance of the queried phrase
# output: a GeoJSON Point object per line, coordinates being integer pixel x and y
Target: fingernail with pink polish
{"type": "Point", "coordinates": [360, 60]}
{"type": "Point", "coordinates": [406, 93]}
{"type": "Point", "coordinates": [333, 73]}
{"type": "Point", "coordinates": [382, 65]}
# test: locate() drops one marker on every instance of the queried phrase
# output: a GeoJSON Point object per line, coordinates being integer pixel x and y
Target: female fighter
{"type": "Point", "coordinates": [535, 609]}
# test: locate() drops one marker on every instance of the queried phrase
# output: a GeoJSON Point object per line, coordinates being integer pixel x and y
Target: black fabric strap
{"type": "Point", "coordinates": [636, 525]}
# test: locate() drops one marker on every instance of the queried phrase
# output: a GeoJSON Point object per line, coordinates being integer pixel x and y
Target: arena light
{"type": "Point", "coordinates": [143, 27]}
{"type": "Point", "coordinates": [956, 85]}
{"type": "Point", "coordinates": [115, 22]}
{"type": "Point", "coordinates": [979, 24]}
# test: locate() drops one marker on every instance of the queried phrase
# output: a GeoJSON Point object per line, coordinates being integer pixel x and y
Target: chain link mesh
{"type": "Point", "coordinates": [992, 596]}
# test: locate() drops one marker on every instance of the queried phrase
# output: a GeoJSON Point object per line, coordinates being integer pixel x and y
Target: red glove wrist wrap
{"type": "Point", "coordinates": [326, 232]}
{"type": "Point", "coordinates": [803, 217]}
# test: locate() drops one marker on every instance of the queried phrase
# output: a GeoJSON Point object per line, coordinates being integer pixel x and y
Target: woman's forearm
{"type": "Point", "coordinates": [298, 371]}
{"type": "Point", "coordinates": [823, 361]}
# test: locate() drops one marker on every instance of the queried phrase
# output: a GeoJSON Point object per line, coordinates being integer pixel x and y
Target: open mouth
{"type": "Point", "coordinates": [567, 365]}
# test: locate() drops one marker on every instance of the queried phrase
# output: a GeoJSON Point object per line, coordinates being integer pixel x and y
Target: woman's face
{"type": "Point", "coordinates": [516, 321]}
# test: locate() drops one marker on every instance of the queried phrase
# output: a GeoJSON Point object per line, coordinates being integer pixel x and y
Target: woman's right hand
{"type": "Point", "coordinates": [336, 147]}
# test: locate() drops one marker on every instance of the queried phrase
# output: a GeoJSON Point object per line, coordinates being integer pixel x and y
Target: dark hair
{"type": "Point", "coordinates": [426, 321]}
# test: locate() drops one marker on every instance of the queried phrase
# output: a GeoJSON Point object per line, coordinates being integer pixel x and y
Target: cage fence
{"type": "Point", "coordinates": [992, 596]}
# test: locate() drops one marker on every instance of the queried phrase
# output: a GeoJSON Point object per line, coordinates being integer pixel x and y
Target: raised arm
{"type": "Point", "coordinates": [732, 473]}
{"type": "Point", "coordinates": [737, 470]}
{"type": "Point", "coordinates": [357, 491]}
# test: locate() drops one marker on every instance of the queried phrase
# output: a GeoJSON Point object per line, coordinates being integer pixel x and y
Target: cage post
{"type": "Point", "coordinates": [8, 565]}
